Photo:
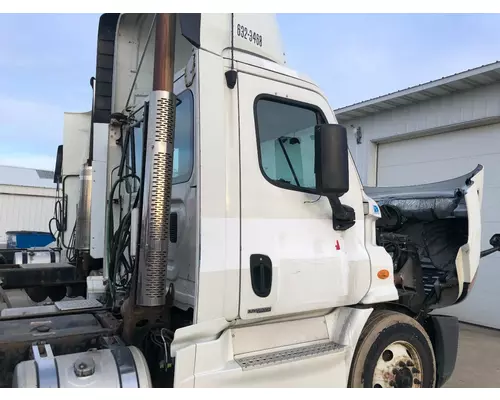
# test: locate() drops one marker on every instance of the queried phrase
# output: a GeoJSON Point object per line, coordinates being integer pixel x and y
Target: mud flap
{"type": "Point", "coordinates": [444, 333]}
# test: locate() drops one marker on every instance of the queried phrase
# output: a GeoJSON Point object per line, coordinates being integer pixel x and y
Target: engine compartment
{"type": "Point", "coordinates": [423, 254]}
{"type": "Point", "coordinates": [423, 228]}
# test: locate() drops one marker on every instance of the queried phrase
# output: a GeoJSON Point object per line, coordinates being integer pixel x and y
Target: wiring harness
{"type": "Point", "coordinates": [119, 260]}
{"type": "Point", "coordinates": [58, 234]}
{"type": "Point", "coordinates": [120, 263]}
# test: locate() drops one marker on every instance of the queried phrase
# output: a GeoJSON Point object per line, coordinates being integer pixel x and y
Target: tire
{"type": "Point", "coordinates": [37, 294]}
{"type": "Point", "coordinates": [393, 351]}
{"type": "Point", "coordinates": [57, 293]}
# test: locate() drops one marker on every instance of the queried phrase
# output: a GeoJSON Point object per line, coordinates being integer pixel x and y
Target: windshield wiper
{"type": "Point", "coordinates": [288, 161]}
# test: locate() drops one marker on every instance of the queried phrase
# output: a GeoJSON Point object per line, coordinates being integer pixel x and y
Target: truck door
{"type": "Point", "coordinates": [292, 260]}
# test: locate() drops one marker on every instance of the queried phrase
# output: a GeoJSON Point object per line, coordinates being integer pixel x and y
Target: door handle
{"type": "Point", "coordinates": [261, 273]}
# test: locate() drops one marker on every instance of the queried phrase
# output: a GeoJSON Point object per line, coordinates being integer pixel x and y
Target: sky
{"type": "Point", "coordinates": [46, 62]}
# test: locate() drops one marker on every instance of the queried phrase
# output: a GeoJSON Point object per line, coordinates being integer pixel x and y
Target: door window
{"type": "Point", "coordinates": [285, 140]}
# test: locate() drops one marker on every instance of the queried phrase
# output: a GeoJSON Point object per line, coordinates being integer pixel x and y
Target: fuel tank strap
{"type": "Point", "coordinates": [126, 366]}
{"type": "Point", "coordinates": [46, 366]}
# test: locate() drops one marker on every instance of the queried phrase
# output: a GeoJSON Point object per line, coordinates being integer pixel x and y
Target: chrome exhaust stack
{"type": "Point", "coordinates": [82, 233]}
{"type": "Point", "coordinates": [157, 180]}
{"type": "Point", "coordinates": [82, 225]}
{"type": "Point", "coordinates": [153, 253]}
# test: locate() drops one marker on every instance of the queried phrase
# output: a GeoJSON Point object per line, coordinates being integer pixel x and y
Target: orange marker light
{"type": "Point", "coordinates": [383, 274]}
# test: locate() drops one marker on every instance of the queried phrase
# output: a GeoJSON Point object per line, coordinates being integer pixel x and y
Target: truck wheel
{"type": "Point", "coordinates": [393, 351]}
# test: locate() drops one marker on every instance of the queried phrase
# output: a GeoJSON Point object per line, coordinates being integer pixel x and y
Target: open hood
{"type": "Point", "coordinates": [433, 233]}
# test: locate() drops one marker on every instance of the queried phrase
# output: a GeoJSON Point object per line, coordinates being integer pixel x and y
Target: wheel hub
{"type": "Point", "coordinates": [399, 366]}
{"type": "Point", "coordinates": [403, 378]}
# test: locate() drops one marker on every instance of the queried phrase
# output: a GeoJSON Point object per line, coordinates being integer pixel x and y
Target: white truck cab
{"type": "Point", "coordinates": [281, 270]}
{"type": "Point", "coordinates": [274, 269]}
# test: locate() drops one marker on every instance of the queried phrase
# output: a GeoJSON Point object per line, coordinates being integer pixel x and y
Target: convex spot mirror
{"type": "Point", "coordinates": [495, 240]}
{"type": "Point", "coordinates": [331, 156]}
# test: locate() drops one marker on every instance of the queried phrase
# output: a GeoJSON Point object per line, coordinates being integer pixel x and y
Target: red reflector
{"type": "Point", "coordinates": [337, 245]}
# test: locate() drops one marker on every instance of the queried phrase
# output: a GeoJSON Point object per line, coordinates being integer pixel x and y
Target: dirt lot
{"type": "Point", "coordinates": [478, 364]}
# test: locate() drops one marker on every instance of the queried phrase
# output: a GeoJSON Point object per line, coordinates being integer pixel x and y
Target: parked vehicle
{"type": "Point", "coordinates": [221, 211]}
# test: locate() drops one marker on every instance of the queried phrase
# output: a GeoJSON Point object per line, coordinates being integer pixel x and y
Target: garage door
{"type": "Point", "coordinates": [444, 156]}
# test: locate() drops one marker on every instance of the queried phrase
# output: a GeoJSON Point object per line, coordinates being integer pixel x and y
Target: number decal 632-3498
{"type": "Point", "coordinates": [248, 34]}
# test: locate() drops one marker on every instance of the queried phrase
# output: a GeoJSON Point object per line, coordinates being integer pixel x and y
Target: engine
{"type": "Point", "coordinates": [423, 246]}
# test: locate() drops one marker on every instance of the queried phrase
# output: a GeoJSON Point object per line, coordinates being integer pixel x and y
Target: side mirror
{"type": "Point", "coordinates": [331, 155]}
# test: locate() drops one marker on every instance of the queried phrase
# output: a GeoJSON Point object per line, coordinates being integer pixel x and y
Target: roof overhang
{"type": "Point", "coordinates": [462, 81]}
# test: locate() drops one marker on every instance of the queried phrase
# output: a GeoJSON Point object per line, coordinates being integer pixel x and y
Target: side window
{"type": "Point", "coordinates": [183, 141]}
{"type": "Point", "coordinates": [184, 138]}
{"type": "Point", "coordinates": [285, 138]}
{"type": "Point", "coordinates": [137, 149]}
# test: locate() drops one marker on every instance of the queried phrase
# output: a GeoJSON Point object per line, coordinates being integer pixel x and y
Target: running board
{"type": "Point", "coordinates": [289, 355]}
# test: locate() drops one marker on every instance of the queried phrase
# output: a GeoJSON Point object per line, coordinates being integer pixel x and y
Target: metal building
{"type": "Point", "coordinates": [432, 132]}
{"type": "Point", "coordinates": [27, 198]}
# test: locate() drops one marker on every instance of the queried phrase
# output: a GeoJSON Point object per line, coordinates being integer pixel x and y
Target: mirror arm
{"type": "Point", "coordinates": [343, 216]}
{"type": "Point", "coordinates": [494, 243]}
{"type": "Point", "coordinates": [487, 252]}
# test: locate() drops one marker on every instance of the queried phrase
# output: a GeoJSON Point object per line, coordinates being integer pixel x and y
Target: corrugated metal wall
{"type": "Point", "coordinates": [25, 208]}
{"type": "Point", "coordinates": [450, 113]}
